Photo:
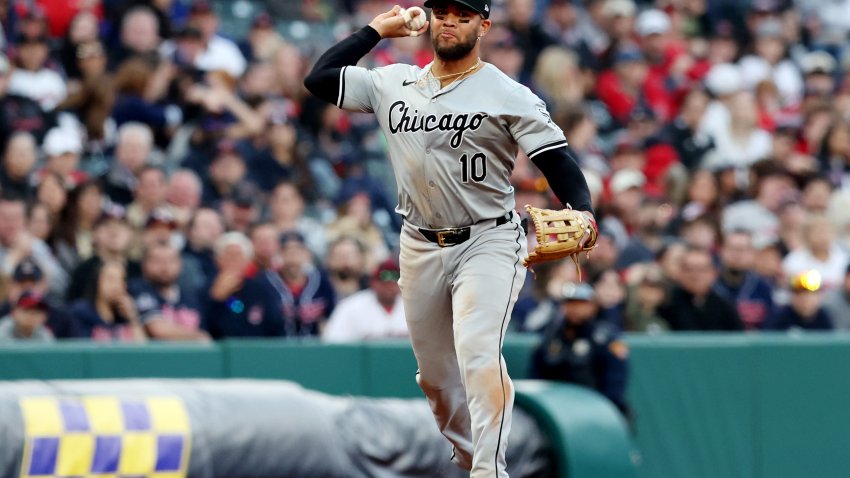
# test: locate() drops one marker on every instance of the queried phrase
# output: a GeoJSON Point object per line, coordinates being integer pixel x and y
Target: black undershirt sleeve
{"type": "Point", "coordinates": [324, 79]}
{"type": "Point", "coordinates": [561, 170]}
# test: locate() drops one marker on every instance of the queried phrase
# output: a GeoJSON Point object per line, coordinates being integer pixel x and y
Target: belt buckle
{"type": "Point", "coordinates": [441, 236]}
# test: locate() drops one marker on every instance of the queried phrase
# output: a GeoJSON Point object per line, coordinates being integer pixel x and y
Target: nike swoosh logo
{"type": "Point", "coordinates": [408, 82]}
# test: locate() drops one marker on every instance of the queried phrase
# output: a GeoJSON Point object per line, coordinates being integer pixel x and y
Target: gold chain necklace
{"type": "Point", "coordinates": [450, 75]}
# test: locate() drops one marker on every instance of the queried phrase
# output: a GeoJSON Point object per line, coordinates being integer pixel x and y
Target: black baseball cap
{"type": "Point", "coordinates": [291, 236]}
{"type": "Point", "coordinates": [480, 6]}
{"type": "Point", "coordinates": [27, 270]}
{"type": "Point", "coordinates": [244, 194]}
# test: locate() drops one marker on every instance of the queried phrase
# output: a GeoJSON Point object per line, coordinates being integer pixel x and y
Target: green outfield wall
{"type": "Point", "coordinates": [719, 406]}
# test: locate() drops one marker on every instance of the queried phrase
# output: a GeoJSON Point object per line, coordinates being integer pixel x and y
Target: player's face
{"type": "Point", "coordinates": [455, 30]}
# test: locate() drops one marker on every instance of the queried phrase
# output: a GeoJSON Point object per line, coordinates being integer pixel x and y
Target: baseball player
{"type": "Point", "coordinates": [454, 129]}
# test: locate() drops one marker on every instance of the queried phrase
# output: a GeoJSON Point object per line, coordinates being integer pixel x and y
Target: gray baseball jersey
{"type": "Point", "coordinates": [452, 149]}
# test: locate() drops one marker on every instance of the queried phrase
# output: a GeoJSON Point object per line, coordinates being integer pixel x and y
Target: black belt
{"type": "Point", "coordinates": [453, 236]}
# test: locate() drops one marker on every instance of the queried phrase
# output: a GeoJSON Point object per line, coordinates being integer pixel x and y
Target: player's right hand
{"type": "Point", "coordinates": [391, 25]}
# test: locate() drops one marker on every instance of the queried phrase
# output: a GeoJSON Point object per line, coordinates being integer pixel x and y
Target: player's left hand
{"type": "Point", "coordinates": [391, 25]}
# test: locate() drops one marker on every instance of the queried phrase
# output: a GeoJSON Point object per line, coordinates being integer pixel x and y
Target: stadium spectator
{"type": "Point", "coordinates": [821, 253]}
{"type": "Point", "coordinates": [202, 232]}
{"type": "Point", "coordinates": [167, 310]}
{"type": "Point", "coordinates": [805, 309]}
{"type": "Point", "coordinates": [139, 36]}
{"type": "Point", "coordinates": [683, 132]}
{"type": "Point", "coordinates": [562, 23]}
{"type": "Point", "coordinates": [773, 185]}
{"type": "Point", "coordinates": [84, 29]}
{"type": "Point", "coordinates": [354, 218]}
{"type": "Point", "coordinates": [148, 195]}
{"type": "Point", "coordinates": [701, 232]}
{"type": "Point", "coordinates": [501, 49]}
{"type": "Point", "coordinates": [289, 67]}
{"type": "Point", "coordinates": [303, 290]}
{"type": "Point", "coordinates": [106, 312]}
{"type": "Point", "coordinates": [72, 239]}
{"type": "Point", "coordinates": [577, 122]}
{"type": "Point", "coordinates": [374, 313]}
{"type": "Point", "coordinates": [816, 194]}
{"type": "Point", "coordinates": [346, 266]}
{"type": "Point", "coordinates": [628, 83]}
{"type": "Point", "coordinates": [262, 41]}
{"type": "Point", "coordinates": [18, 164]}
{"type": "Point", "coordinates": [27, 320]}
{"type": "Point", "coordinates": [646, 293]}
{"type": "Point", "coordinates": [28, 278]}
{"type": "Point", "coordinates": [16, 243]}
{"type": "Point", "coordinates": [160, 229]}
{"type": "Point", "coordinates": [751, 294]}
{"type": "Point", "coordinates": [610, 293]}
{"type": "Point", "coordinates": [769, 61]}
{"type": "Point", "coordinates": [626, 187]}
{"type": "Point", "coordinates": [63, 148]}
{"type": "Point", "coordinates": [41, 223]}
{"type": "Point", "coordinates": [132, 152]}
{"type": "Point", "coordinates": [702, 199]}
{"type": "Point", "coordinates": [582, 349]}
{"type": "Point", "coordinates": [32, 78]}
{"type": "Point", "coordinates": [241, 208]}
{"type": "Point", "coordinates": [605, 254]}
{"type": "Point", "coordinates": [286, 210]}
{"type": "Point", "coordinates": [792, 218]}
{"type": "Point", "coordinates": [723, 81]}
{"type": "Point", "coordinates": [282, 158]}
{"type": "Point", "coordinates": [226, 169]}
{"type": "Point", "coordinates": [59, 14]}
{"type": "Point", "coordinates": [20, 113]}
{"type": "Point", "coordinates": [91, 97]}
{"type": "Point", "coordinates": [834, 154]}
{"type": "Point", "coordinates": [266, 243]}
{"type": "Point", "coordinates": [554, 78]}
{"type": "Point", "coordinates": [740, 142]}
{"type": "Point", "coordinates": [693, 304]}
{"type": "Point", "coordinates": [236, 305]}
{"type": "Point", "coordinates": [112, 239]}
{"type": "Point", "coordinates": [51, 193]}
{"type": "Point", "coordinates": [184, 195]}
{"type": "Point", "coordinates": [219, 53]}
{"type": "Point", "coordinates": [648, 237]}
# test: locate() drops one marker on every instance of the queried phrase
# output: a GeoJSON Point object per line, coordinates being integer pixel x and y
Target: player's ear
{"type": "Point", "coordinates": [485, 27]}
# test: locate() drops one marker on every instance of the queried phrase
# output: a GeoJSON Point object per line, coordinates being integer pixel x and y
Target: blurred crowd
{"type": "Point", "coordinates": [163, 178]}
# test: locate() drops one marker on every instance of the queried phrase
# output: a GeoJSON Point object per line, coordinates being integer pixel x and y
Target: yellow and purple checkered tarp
{"type": "Point", "coordinates": [105, 437]}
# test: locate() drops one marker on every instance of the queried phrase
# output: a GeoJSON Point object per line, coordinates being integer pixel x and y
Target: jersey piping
{"type": "Point", "coordinates": [341, 87]}
{"type": "Point", "coordinates": [546, 147]}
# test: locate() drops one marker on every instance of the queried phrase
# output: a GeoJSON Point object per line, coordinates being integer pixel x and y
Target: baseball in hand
{"type": "Point", "coordinates": [414, 19]}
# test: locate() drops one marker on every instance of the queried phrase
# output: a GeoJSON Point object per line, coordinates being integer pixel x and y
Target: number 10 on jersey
{"type": "Point", "coordinates": [473, 167]}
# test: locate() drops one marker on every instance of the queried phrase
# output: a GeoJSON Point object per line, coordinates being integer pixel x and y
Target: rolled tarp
{"type": "Point", "coordinates": [233, 429]}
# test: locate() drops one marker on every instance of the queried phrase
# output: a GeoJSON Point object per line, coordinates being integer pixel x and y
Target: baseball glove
{"type": "Point", "coordinates": [559, 234]}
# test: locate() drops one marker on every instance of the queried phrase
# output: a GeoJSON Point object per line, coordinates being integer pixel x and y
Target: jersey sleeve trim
{"type": "Point", "coordinates": [546, 147]}
{"type": "Point", "coordinates": [341, 87]}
